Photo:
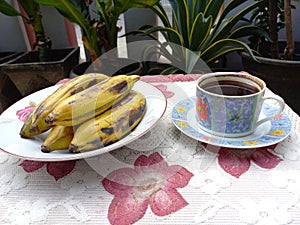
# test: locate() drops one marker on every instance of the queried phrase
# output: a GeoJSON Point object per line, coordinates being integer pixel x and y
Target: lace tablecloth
{"type": "Point", "coordinates": [158, 179]}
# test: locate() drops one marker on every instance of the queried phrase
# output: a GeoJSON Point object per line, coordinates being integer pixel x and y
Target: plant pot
{"type": "Point", "coordinates": [8, 91]}
{"type": "Point", "coordinates": [23, 75]}
{"type": "Point", "coordinates": [30, 75]}
{"type": "Point", "coordinates": [7, 56]}
{"type": "Point", "coordinates": [281, 76]}
{"type": "Point", "coordinates": [110, 67]}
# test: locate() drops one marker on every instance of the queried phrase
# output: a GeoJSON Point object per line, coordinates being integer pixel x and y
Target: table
{"type": "Point", "coordinates": [182, 183]}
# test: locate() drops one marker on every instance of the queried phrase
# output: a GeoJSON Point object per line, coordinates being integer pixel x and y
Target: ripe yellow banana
{"type": "Point", "coordinates": [59, 138]}
{"type": "Point", "coordinates": [91, 102]}
{"type": "Point", "coordinates": [35, 123]}
{"type": "Point", "coordinates": [111, 125]}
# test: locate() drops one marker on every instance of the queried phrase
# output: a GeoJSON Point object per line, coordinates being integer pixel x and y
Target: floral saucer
{"type": "Point", "coordinates": [268, 133]}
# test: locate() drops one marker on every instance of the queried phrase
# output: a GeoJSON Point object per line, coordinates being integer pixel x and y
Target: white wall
{"type": "Point", "coordinates": [55, 27]}
{"type": "Point", "coordinates": [11, 38]}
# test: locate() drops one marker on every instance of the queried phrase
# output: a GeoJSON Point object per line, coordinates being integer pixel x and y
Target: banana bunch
{"type": "Point", "coordinates": [89, 118]}
{"type": "Point", "coordinates": [35, 123]}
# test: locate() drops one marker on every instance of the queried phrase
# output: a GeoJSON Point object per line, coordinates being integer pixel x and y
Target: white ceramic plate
{"type": "Point", "coordinates": [268, 133]}
{"type": "Point", "coordinates": [10, 126]}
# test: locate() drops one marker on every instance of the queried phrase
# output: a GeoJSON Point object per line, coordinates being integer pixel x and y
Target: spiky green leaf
{"type": "Point", "coordinates": [249, 30]}
{"type": "Point", "coordinates": [223, 47]}
{"type": "Point", "coordinates": [8, 10]}
{"type": "Point", "coordinates": [198, 36]}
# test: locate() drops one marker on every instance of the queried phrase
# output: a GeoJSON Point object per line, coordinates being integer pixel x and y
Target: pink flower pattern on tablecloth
{"type": "Point", "coordinates": [170, 78]}
{"type": "Point", "coordinates": [56, 169]}
{"type": "Point", "coordinates": [62, 81]}
{"type": "Point", "coordinates": [236, 161]}
{"type": "Point", "coordinates": [23, 113]}
{"type": "Point", "coordinates": [152, 182]}
{"type": "Point", "coordinates": [163, 88]}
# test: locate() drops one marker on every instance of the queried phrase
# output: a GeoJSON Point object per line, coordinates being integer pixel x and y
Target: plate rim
{"type": "Point", "coordinates": [91, 153]}
{"type": "Point", "coordinates": [174, 120]}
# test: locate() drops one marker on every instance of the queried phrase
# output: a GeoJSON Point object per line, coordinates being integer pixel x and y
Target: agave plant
{"type": "Point", "coordinates": [204, 27]}
{"type": "Point", "coordinates": [98, 33]}
{"type": "Point", "coordinates": [33, 17]}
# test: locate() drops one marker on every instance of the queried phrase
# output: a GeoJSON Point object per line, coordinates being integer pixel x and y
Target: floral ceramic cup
{"type": "Point", "coordinates": [229, 104]}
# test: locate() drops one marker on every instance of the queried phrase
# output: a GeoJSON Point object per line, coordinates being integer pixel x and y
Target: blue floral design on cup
{"type": "Point", "coordinates": [231, 115]}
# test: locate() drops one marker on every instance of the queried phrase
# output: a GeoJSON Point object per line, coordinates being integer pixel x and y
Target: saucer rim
{"type": "Point", "coordinates": [221, 140]}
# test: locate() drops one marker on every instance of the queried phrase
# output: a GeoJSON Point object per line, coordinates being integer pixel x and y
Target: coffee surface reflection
{"type": "Point", "coordinates": [230, 88]}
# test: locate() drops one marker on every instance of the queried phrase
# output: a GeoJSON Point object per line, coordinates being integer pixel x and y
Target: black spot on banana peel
{"type": "Point", "coordinates": [107, 130]}
{"type": "Point", "coordinates": [38, 130]}
{"type": "Point", "coordinates": [90, 84]}
{"type": "Point", "coordinates": [119, 87]}
{"type": "Point", "coordinates": [135, 114]}
{"type": "Point", "coordinates": [119, 123]}
{"type": "Point", "coordinates": [110, 126]}
{"type": "Point", "coordinates": [77, 90]}
{"type": "Point", "coordinates": [49, 119]}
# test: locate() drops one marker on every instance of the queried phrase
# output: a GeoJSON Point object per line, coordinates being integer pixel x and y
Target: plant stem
{"type": "Point", "coordinates": [34, 14]}
{"type": "Point", "coordinates": [41, 40]}
{"type": "Point", "coordinates": [290, 48]}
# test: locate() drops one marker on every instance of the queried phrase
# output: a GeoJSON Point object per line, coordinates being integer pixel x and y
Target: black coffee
{"type": "Point", "coordinates": [230, 88]}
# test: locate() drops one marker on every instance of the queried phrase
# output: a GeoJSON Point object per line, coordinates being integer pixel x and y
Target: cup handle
{"type": "Point", "coordinates": [278, 111]}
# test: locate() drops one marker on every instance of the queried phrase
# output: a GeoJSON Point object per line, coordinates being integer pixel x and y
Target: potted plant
{"type": "Point", "coordinates": [8, 91]}
{"type": "Point", "coordinates": [209, 29]}
{"type": "Point", "coordinates": [35, 70]}
{"type": "Point", "coordinates": [99, 34]}
{"type": "Point", "coordinates": [278, 62]}
{"type": "Point", "coordinates": [34, 17]}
